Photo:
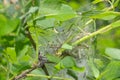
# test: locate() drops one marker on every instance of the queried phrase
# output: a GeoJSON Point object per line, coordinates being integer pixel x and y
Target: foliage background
{"type": "Point", "coordinates": [55, 27]}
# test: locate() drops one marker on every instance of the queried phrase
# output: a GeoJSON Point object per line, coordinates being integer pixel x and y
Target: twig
{"type": "Point", "coordinates": [39, 55]}
{"type": "Point", "coordinates": [100, 31]}
{"type": "Point", "coordinates": [30, 38]}
{"type": "Point", "coordinates": [58, 78]}
{"type": "Point", "coordinates": [24, 73]}
{"type": "Point", "coordinates": [41, 61]}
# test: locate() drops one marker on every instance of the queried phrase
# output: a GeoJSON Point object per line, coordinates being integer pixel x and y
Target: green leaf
{"type": "Point", "coordinates": [22, 54]}
{"type": "Point", "coordinates": [99, 63]}
{"type": "Point", "coordinates": [53, 58]}
{"type": "Point", "coordinates": [108, 15]}
{"type": "Point", "coordinates": [45, 35]}
{"type": "Point", "coordinates": [79, 69]}
{"type": "Point", "coordinates": [94, 69]}
{"type": "Point", "coordinates": [66, 46]}
{"type": "Point", "coordinates": [112, 71]}
{"type": "Point", "coordinates": [11, 54]}
{"type": "Point", "coordinates": [46, 23]}
{"type": "Point", "coordinates": [64, 13]}
{"type": "Point", "coordinates": [117, 79]}
{"type": "Point", "coordinates": [116, 3]}
{"type": "Point", "coordinates": [116, 24]}
{"type": "Point", "coordinates": [16, 68]}
{"type": "Point", "coordinates": [21, 46]}
{"type": "Point", "coordinates": [91, 13]}
{"type": "Point", "coordinates": [6, 25]}
{"type": "Point", "coordinates": [25, 58]}
{"type": "Point", "coordinates": [97, 1]}
{"type": "Point", "coordinates": [61, 13]}
{"type": "Point", "coordinates": [73, 74]}
{"type": "Point", "coordinates": [113, 53]}
{"type": "Point", "coordinates": [67, 62]}
{"type": "Point", "coordinates": [33, 9]}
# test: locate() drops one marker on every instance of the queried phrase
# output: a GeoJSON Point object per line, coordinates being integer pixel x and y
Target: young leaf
{"type": "Point", "coordinates": [94, 69]}
{"type": "Point", "coordinates": [111, 72]}
{"type": "Point", "coordinates": [116, 3]}
{"type": "Point", "coordinates": [53, 58]}
{"type": "Point", "coordinates": [98, 63]}
{"type": "Point", "coordinates": [10, 51]}
{"type": "Point", "coordinates": [116, 24]}
{"type": "Point", "coordinates": [60, 12]}
{"type": "Point", "coordinates": [46, 23]}
{"type": "Point", "coordinates": [33, 9]}
{"type": "Point", "coordinates": [25, 58]}
{"type": "Point", "coordinates": [79, 69]}
{"type": "Point", "coordinates": [91, 13]}
{"type": "Point", "coordinates": [67, 62]}
{"type": "Point", "coordinates": [108, 15]}
{"type": "Point", "coordinates": [64, 13]}
{"type": "Point", "coordinates": [117, 79]}
{"type": "Point", "coordinates": [21, 46]}
{"type": "Point", "coordinates": [97, 1]}
{"type": "Point", "coordinates": [113, 53]}
{"type": "Point", "coordinates": [66, 46]}
{"type": "Point", "coordinates": [73, 74]}
{"type": "Point", "coordinates": [6, 25]}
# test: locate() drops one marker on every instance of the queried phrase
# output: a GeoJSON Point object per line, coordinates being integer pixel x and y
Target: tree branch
{"type": "Point", "coordinates": [100, 31]}
{"type": "Point", "coordinates": [41, 61]}
{"type": "Point", "coordinates": [24, 73]}
{"type": "Point", "coordinates": [30, 38]}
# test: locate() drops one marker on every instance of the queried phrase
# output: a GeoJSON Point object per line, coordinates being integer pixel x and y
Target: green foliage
{"type": "Point", "coordinates": [95, 71]}
{"type": "Point", "coordinates": [68, 34]}
{"type": "Point", "coordinates": [116, 24]}
{"type": "Point", "coordinates": [53, 58]}
{"type": "Point", "coordinates": [47, 23]}
{"type": "Point", "coordinates": [111, 72]}
{"type": "Point", "coordinates": [6, 25]}
{"type": "Point", "coordinates": [113, 53]}
{"type": "Point", "coordinates": [73, 74]}
{"type": "Point", "coordinates": [97, 1]}
{"type": "Point", "coordinates": [108, 15]}
{"type": "Point", "coordinates": [58, 11]}
{"type": "Point", "coordinates": [67, 62]}
{"type": "Point", "coordinates": [11, 54]}
{"type": "Point", "coordinates": [66, 46]}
